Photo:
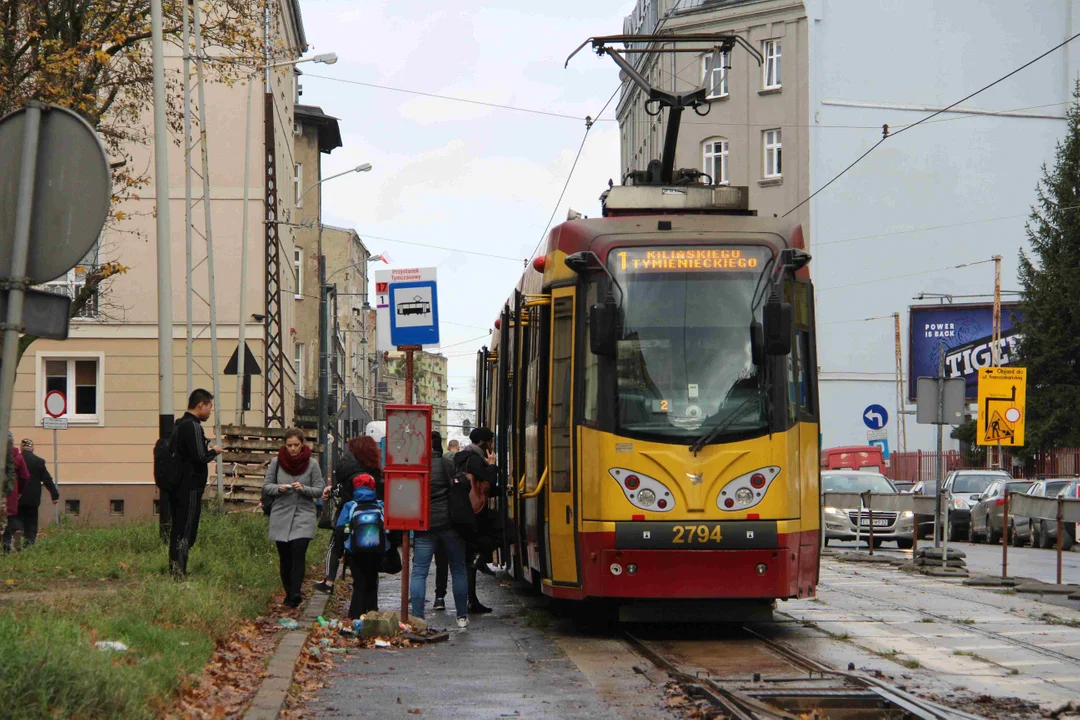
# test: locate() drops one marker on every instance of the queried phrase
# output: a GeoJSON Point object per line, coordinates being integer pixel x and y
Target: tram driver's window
{"type": "Point", "coordinates": [562, 356]}
{"type": "Point", "coordinates": [590, 361]}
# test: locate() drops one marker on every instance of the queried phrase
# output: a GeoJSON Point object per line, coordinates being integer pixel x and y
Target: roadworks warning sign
{"type": "Point", "coordinates": [1002, 392]}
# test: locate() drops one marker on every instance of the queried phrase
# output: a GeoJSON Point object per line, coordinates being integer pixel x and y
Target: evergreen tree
{"type": "Point", "coordinates": [1050, 282]}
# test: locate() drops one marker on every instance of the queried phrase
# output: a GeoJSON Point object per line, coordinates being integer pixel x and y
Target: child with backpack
{"type": "Point", "coordinates": [363, 522]}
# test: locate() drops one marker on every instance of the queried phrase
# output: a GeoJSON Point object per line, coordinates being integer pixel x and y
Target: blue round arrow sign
{"type": "Point", "coordinates": [875, 417]}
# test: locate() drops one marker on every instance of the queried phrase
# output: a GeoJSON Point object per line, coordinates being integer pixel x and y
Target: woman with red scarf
{"type": "Point", "coordinates": [294, 480]}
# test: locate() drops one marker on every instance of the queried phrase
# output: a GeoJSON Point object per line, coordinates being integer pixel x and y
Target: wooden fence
{"type": "Point", "coordinates": [248, 452]}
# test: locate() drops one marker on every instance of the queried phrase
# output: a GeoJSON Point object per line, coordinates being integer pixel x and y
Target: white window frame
{"type": "Point", "coordinates": [298, 360]}
{"type": "Point", "coordinates": [298, 184]}
{"type": "Point", "coordinates": [97, 419]}
{"type": "Point", "coordinates": [298, 265]}
{"type": "Point", "coordinates": [708, 153]}
{"type": "Point", "coordinates": [772, 144]}
{"type": "Point", "coordinates": [772, 68]}
{"type": "Point", "coordinates": [722, 84]}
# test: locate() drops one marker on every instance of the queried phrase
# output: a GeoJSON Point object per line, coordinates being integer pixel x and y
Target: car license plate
{"type": "Point", "coordinates": [878, 522]}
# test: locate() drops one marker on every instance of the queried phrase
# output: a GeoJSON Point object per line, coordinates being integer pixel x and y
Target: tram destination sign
{"type": "Point", "coordinates": [694, 259]}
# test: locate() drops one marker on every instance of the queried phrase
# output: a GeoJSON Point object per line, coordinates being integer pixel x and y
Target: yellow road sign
{"type": "Point", "coordinates": [1002, 391]}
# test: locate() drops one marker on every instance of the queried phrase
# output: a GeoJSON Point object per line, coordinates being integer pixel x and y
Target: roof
{"type": "Point", "coordinates": [325, 125]}
{"type": "Point", "coordinates": [301, 36]}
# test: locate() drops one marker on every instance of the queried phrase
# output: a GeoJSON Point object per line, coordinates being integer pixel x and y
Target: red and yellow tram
{"type": "Point", "coordinates": [652, 385]}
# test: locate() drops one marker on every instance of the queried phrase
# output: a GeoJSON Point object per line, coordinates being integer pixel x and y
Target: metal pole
{"type": "Point", "coordinates": [164, 247]}
{"type": "Point", "coordinates": [901, 425]}
{"type": "Point", "coordinates": [939, 520]}
{"type": "Point", "coordinates": [56, 469]}
{"type": "Point", "coordinates": [405, 537]}
{"type": "Point", "coordinates": [241, 353]}
{"type": "Point", "coordinates": [190, 335]}
{"type": "Point", "coordinates": [870, 512]}
{"type": "Point", "coordinates": [20, 253]}
{"type": "Point", "coordinates": [1060, 509]}
{"type": "Point", "coordinates": [1004, 537]}
{"type": "Point", "coordinates": [324, 342]}
{"type": "Point", "coordinates": [211, 293]}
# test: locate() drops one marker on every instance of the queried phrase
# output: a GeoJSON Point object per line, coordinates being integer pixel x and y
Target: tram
{"type": "Point", "coordinates": [652, 384]}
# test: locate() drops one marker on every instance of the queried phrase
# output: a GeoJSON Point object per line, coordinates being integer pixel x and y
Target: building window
{"type": "Point", "coordinates": [716, 160]}
{"type": "Point", "coordinates": [715, 79]}
{"type": "Point", "coordinates": [299, 365]}
{"type": "Point", "coordinates": [298, 264]}
{"type": "Point", "coordinates": [71, 284]}
{"type": "Point", "coordinates": [773, 147]}
{"type": "Point", "coordinates": [298, 183]}
{"type": "Point", "coordinates": [79, 379]}
{"type": "Point", "coordinates": [116, 507]}
{"type": "Point", "coordinates": [71, 507]}
{"type": "Point", "coordinates": [772, 64]}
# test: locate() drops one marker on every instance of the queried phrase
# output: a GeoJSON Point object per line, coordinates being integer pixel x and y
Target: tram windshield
{"type": "Point", "coordinates": [684, 358]}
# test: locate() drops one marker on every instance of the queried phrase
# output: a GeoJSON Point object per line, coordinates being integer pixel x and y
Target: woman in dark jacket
{"type": "Point", "coordinates": [362, 456]}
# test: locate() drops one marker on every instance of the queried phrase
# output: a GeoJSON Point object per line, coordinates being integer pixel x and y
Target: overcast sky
{"type": "Point", "coordinates": [462, 176]}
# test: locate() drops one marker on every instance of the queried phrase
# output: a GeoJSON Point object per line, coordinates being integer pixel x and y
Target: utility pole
{"type": "Point", "coordinates": [995, 345]}
{"type": "Point", "coordinates": [324, 344]}
{"type": "Point", "coordinates": [940, 462]}
{"type": "Point", "coordinates": [211, 292]}
{"type": "Point", "coordinates": [166, 417]}
{"type": "Point", "coordinates": [241, 331]}
{"type": "Point", "coordinates": [190, 336]}
{"type": "Point", "coordinates": [901, 424]}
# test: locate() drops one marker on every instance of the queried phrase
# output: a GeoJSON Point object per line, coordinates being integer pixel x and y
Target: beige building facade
{"type": "Point", "coordinates": [429, 384]}
{"type": "Point", "coordinates": [107, 369]}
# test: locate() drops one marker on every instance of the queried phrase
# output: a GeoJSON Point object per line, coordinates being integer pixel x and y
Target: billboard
{"type": "Point", "coordinates": [966, 331]}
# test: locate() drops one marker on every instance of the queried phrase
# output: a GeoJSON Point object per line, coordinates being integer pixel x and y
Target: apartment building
{"type": "Point", "coordinates": [108, 366]}
{"type": "Point", "coordinates": [836, 77]}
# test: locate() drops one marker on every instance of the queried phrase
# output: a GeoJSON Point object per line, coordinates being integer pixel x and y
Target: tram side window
{"type": "Point", "coordinates": [801, 350]}
{"type": "Point", "coordinates": [590, 361]}
{"type": "Point", "coordinates": [562, 338]}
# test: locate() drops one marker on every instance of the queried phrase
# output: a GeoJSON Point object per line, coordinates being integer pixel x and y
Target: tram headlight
{"type": "Point", "coordinates": [644, 492]}
{"type": "Point", "coordinates": [747, 490]}
{"type": "Point", "coordinates": [744, 496]}
{"type": "Point", "coordinates": [646, 498]}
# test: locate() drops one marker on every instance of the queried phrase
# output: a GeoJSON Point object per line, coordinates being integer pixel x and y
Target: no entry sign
{"type": "Point", "coordinates": [55, 404]}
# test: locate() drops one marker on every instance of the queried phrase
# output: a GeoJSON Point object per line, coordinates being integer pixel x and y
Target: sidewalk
{"type": "Point", "coordinates": [497, 668]}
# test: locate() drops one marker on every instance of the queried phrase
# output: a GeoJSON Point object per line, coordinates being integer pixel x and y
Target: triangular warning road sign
{"type": "Point", "coordinates": [998, 429]}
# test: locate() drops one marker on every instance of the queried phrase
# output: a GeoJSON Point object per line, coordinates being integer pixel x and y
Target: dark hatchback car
{"type": "Point", "coordinates": [988, 513]}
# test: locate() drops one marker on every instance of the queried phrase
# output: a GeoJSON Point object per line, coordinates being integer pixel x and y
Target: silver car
{"type": "Point", "coordinates": [840, 522]}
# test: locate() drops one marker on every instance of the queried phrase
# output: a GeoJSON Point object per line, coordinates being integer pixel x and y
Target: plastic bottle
{"type": "Point", "coordinates": [357, 625]}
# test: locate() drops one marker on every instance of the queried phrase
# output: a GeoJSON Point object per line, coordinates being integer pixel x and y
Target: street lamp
{"type": "Point", "coordinates": [365, 167]}
{"type": "Point", "coordinates": [327, 59]}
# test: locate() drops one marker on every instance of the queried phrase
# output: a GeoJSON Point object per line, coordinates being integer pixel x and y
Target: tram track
{"type": "Point", "coordinates": [794, 686]}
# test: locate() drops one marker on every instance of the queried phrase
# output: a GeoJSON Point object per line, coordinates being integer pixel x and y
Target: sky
{"type": "Point", "coordinates": [470, 178]}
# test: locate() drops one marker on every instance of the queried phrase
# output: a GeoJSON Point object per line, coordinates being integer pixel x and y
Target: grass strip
{"type": "Point", "coordinates": [98, 584]}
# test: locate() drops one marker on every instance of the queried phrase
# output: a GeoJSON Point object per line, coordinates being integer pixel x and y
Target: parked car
{"type": "Point", "coordinates": [1024, 529]}
{"type": "Point", "coordinates": [1044, 532]}
{"type": "Point", "coordinates": [840, 522]}
{"type": "Point", "coordinates": [925, 522]}
{"type": "Point", "coordinates": [988, 513]}
{"type": "Point", "coordinates": [903, 486]}
{"type": "Point", "coordinates": [959, 487]}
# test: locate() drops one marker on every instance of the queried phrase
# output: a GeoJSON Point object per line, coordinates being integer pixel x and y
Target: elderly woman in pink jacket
{"type": "Point", "coordinates": [15, 479]}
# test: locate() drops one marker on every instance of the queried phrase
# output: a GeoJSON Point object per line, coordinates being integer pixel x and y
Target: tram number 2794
{"type": "Point", "coordinates": [696, 534]}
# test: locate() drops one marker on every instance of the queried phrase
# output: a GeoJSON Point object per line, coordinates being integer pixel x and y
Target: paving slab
{"type": "Point", "coordinates": [499, 667]}
{"type": "Point", "coordinates": [1046, 588]}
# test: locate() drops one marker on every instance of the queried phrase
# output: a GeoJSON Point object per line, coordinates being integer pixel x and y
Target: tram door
{"type": "Point", "coordinates": [562, 551]}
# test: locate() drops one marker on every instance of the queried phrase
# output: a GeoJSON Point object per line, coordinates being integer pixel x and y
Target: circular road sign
{"type": "Point", "coordinates": [55, 404]}
{"type": "Point", "coordinates": [1012, 414]}
{"type": "Point", "coordinates": [71, 191]}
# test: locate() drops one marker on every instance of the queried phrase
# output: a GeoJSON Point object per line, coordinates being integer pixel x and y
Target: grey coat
{"type": "Point", "coordinates": [292, 516]}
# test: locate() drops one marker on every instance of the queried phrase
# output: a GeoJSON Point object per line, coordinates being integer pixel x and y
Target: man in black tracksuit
{"type": "Point", "coordinates": [30, 500]}
{"type": "Point", "coordinates": [185, 500]}
{"type": "Point", "coordinates": [478, 460]}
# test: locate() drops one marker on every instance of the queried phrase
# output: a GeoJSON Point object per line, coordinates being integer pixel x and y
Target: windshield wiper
{"type": "Point", "coordinates": [720, 427]}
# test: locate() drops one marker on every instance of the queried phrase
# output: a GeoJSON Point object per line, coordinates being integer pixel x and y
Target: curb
{"type": "Point", "coordinates": [274, 690]}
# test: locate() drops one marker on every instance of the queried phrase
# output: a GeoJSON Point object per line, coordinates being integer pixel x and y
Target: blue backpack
{"type": "Point", "coordinates": [366, 530]}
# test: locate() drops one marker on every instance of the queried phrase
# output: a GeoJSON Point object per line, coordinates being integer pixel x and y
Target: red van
{"type": "Point", "coordinates": [856, 457]}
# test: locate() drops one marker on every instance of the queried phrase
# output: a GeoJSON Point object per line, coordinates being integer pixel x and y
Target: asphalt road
{"type": "Point", "coordinates": [986, 560]}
